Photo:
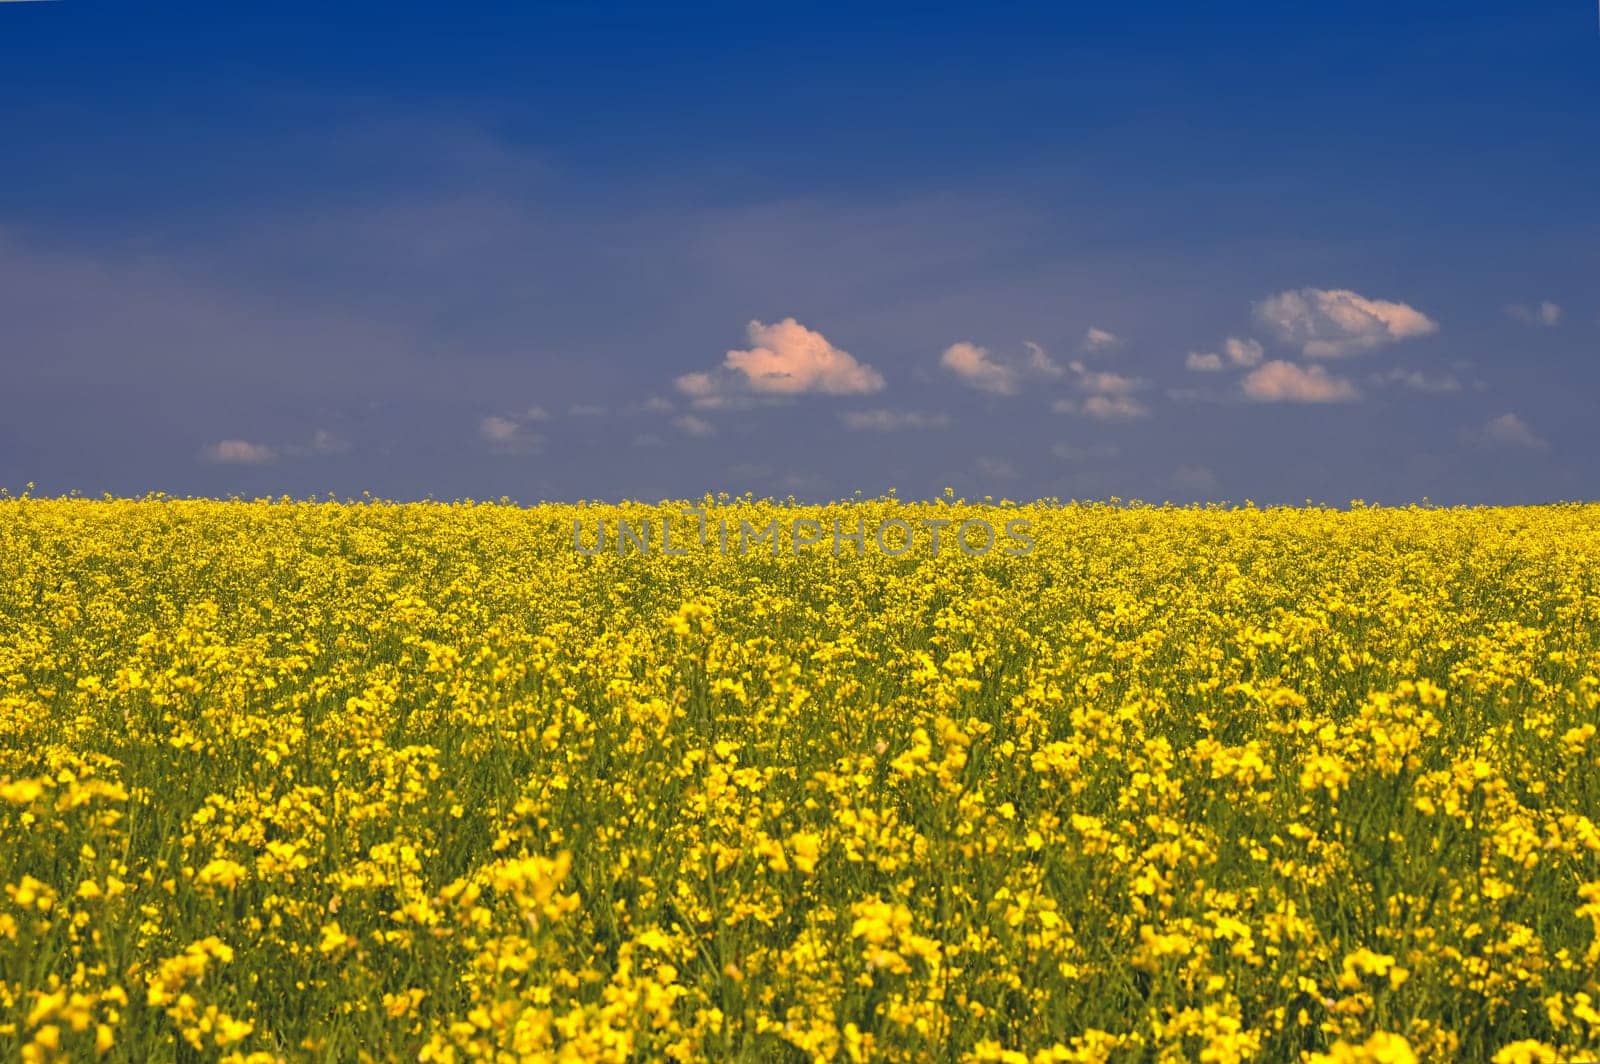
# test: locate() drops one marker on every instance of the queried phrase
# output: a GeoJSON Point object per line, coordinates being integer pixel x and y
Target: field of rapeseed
{"type": "Point", "coordinates": [369, 781]}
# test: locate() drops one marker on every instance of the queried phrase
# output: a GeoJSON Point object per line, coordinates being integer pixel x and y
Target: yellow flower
{"type": "Point", "coordinates": [334, 939]}
{"type": "Point", "coordinates": [21, 792]}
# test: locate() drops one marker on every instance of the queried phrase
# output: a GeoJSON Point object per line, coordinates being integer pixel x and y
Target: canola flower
{"type": "Point", "coordinates": [312, 781]}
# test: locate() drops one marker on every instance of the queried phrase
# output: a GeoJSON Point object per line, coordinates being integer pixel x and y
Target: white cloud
{"type": "Point", "coordinates": [979, 368]}
{"type": "Point", "coordinates": [694, 426]}
{"type": "Point", "coordinates": [498, 429]}
{"type": "Point", "coordinates": [891, 420]}
{"type": "Point", "coordinates": [784, 359]}
{"type": "Point", "coordinates": [1114, 408]}
{"type": "Point", "coordinates": [1242, 352]}
{"type": "Point", "coordinates": [1509, 430]}
{"type": "Point", "coordinates": [1285, 382]}
{"type": "Point", "coordinates": [1103, 407]}
{"type": "Point", "coordinates": [1101, 383]}
{"type": "Point", "coordinates": [1235, 352]}
{"type": "Point", "coordinates": [974, 365]}
{"type": "Point", "coordinates": [1100, 340]}
{"type": "Point", "coordinates": [789, 359]}
{"type": "Point", "coordinates": [239, 452]}
{"type": "Point", "coordinates": [1040, 362]}
{"type": "Point", "coordinates": [583, 410]}
{"type": "Point", "coordinates": [1334, 323]}
{"type": "Point", "coordinates": [508, 435]}
{"type": "Point", "coordinates": [658, 405]}
{"type": "Point", "coordinates": [1108, 396]}
{"type": "Point", "coordinates": [1545, 313]}
{"type": "Point", "coordinates": [535, 413]}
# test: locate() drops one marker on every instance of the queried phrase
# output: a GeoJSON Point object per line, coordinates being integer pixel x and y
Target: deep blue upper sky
{"type": "Point", "coordinates": [509, 249]}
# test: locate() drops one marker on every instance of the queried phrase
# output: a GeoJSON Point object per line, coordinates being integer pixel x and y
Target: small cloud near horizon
{"type": "Point", "coordinates": [238, 452]}
{"type": "Point", "coordinates": [1509, 430]}
{"type": "Point", "coordinates": [508, 435]}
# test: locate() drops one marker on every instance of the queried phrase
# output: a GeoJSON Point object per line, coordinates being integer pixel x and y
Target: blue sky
{"type": "Point", "coordinates": [1150, 250]}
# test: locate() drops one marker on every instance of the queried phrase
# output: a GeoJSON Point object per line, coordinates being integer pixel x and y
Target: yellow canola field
{"type": "Point", "coordinates": [317, 781]}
